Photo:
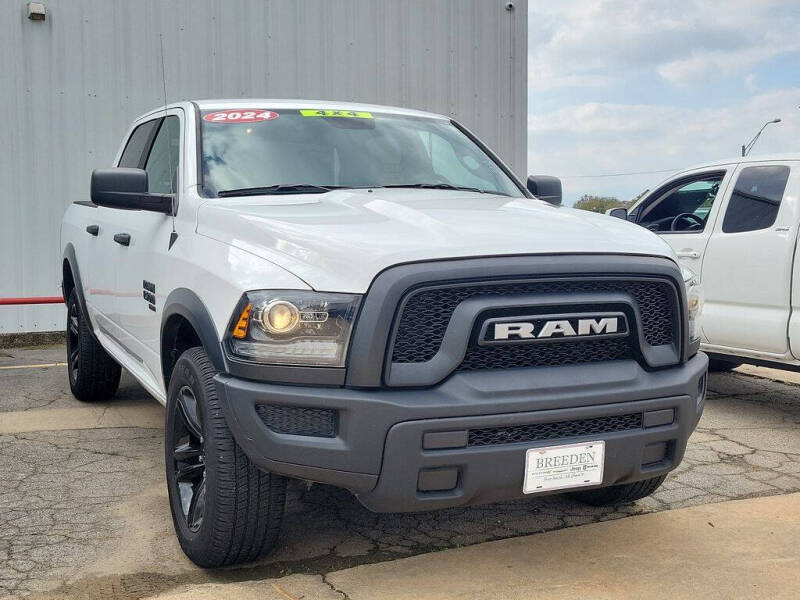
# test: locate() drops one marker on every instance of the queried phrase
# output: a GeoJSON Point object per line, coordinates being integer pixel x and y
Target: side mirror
{"type": "Point", "coordinates": [545, 188]}
{"type": "Point", "coordinates": [619, 212]}
{"type": "Point", "coordinates": [123, 187]}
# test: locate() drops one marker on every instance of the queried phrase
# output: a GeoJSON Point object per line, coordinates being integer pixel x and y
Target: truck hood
{"type": "Point", "coordinates": [340, 240]}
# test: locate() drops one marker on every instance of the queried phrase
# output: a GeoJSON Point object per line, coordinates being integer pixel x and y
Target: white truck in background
{"type": "Point", "coordinates": [735, 224]}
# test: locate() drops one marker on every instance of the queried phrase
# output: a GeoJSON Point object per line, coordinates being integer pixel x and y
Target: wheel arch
{"type": "Point", "coordinates": [71, 279]}
{"type": "Point", "coordinates": [185, 323]}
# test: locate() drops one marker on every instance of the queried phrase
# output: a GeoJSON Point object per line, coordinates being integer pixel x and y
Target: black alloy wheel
{"type": "Point", "coordinates": [225, 509]}
{"type": "Point", "coordinates": [93, 374]}
{"type": "Point", "coordinates": [188, 458]}
{"type": "Point", "coordinates": [73, 341]}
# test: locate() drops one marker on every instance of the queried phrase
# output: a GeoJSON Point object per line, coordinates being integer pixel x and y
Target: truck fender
{"type": "Point", "coordinates": [184, 302]}
{"type": "Point", "coordinates": [69, 256]}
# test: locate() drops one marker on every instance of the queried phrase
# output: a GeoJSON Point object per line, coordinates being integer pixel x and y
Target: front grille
{"type": "Point", "coordinates": [298, 420]}
{"type": "Point", "coordinates": [546, 354]}
{"type": "Point", "coordinates": [427, 313]}
{"type": "Point", "coordinates": [535, 432]}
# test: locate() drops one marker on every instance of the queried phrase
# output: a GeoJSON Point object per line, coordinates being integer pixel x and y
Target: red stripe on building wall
{"type": "Point", "coordinates": [31, 300]}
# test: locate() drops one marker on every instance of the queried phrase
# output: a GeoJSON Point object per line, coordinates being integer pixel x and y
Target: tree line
{"type": "Point", "coordinates": [602, 203]}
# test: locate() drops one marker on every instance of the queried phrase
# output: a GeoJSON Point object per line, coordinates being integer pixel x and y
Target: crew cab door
{"type": "Point", "coordinates": [747, 269]}
{"type": "Point", "coordinates": [104, 254]}
{"type": "Point", "coordinates": [141, 277]}
{"type": "Point", "coordinates": [683, 211]}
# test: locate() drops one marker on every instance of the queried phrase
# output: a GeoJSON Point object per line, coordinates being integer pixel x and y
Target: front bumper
{"type": "Point", "coordinates": [381, 452]}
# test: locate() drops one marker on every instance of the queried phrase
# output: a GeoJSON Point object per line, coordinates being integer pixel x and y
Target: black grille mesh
{"type": "Point", "coordinates": [298, 420]}
{"type": "Point", "coordinates": [489, 436]}
{"type": "Point", "coordinates": [545, 354]}
{"type": "Point", "coordinates": [426, 314]}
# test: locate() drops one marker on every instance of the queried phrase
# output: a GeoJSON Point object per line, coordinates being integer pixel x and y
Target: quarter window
{"type": "Point", "coordinates": [162, 164]}
{"type": "Point", "coordinates": [756, 199]}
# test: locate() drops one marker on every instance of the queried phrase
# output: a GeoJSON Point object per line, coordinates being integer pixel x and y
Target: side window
{"type": "Point", "coordinates": [138, 144]}
{"type": "Point", "coordinates": [756, 199]}
{"type": "Point", "coordinates": [684, 208]}
{"type": "Point", "coordinates": [162, 164]}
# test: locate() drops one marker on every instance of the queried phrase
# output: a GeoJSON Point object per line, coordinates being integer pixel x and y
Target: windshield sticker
{"type": "Point", "coordinates": [241, 116]}
{"type": "Point", "coordinates": [351, 114]}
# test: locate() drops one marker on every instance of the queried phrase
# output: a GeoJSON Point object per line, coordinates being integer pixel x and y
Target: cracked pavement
{"type": "Point", "coordinates": [83, 511]}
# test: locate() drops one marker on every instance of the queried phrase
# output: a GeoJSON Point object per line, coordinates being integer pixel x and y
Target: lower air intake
{"type": "Point", "coordinates": [298, 420]}
{"type": "Point", "coordinates": [489, 436]}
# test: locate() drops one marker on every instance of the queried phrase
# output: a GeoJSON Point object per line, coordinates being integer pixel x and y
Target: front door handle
{"type": "Point", "coordinates": [688, 254]}
{"type": "Point", "coordinates": [92, 230]}
{"type": "Point", "coordinates": [123, 239]}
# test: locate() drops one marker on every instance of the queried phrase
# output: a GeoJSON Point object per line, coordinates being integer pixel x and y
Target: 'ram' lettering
{"type": "Point", "coordinates": [532, 328]}
{"type": "Point", "coordinates": [504, 331]}
{"type": "Point", "coordinates": [551, 327]}
{"type": "Point", "coordinates": [597, 326]}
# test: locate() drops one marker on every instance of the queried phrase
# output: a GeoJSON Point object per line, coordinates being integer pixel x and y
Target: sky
{"type": "Point", "coordinates": [621, 86]}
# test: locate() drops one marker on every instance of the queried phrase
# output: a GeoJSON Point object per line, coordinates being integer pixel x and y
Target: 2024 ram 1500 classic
{"type": "Point", "coordinates": [367, 297]}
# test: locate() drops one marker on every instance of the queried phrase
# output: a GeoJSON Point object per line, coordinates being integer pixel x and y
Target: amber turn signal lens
{"type": "Point", "coordinates": [240, 331]}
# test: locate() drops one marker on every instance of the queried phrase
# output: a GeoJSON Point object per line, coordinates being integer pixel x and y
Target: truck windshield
{"type": "Point", "coordinates": [284, 151]}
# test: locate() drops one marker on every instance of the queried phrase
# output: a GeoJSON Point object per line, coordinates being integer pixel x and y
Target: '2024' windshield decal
{"type": "Point", "coordinates": [240, 116]}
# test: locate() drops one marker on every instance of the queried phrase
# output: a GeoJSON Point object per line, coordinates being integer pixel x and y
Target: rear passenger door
{"type": "Point", "coordinates": [747, 269]}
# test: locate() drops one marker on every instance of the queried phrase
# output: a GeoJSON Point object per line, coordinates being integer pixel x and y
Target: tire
{"type": "Point", "coordinates": [619, 494]}
{"type": "Point", "coordinates": [225, 509]}
{"type": "Point", "coordinates": [716, 365]}
{"type": "Point", "coordinates": [93, 374]}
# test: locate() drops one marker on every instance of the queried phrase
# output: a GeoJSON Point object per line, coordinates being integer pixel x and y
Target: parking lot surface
{"type": "Point", "coordinates": [83, 510]}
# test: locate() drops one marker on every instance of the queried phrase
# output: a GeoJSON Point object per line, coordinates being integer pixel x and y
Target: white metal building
{"type": "Point", "coordinates": [71, 84]}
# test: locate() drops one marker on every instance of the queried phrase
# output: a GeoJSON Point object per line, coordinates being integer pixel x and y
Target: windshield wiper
{"type": "Point", "coordinates": [296, 188]}
{"type": "Point", "coordinates": [307, 188]}
{"type": "Point", "coordinates": [435, 186]}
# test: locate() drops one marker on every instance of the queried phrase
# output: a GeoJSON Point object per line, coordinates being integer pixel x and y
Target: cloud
{"type": "Point", "coordinates": [703, 66]}
{"type": "Point", "coordinates": [600, 43]}
{"type": "Point", "coordinates": [751, 82]}
{"type": "Point", "coordinates": [600, 138]}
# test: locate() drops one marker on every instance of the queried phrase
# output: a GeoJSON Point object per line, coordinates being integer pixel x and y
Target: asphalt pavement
{"type": "Point", "coordinates": [83, 510]}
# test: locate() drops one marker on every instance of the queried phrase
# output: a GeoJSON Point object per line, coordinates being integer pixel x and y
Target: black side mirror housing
{"type": "Point", "coordinates": [545, 188]}
{"type": "Point", "coordinates": [619, 213]}
{"type": "Point", "coordinates": [123, 187]}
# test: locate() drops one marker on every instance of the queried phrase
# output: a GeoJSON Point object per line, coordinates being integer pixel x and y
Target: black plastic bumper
{"type": "Point", "coordinates": [377, 451]}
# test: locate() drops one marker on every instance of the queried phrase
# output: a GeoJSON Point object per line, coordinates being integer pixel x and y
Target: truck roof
{"type": "Point", "coordinates": [744, 159]}
{"type": "Point", "coordinates": [273, 103]}
{"type": "Point", "coordinates": [786, 156]}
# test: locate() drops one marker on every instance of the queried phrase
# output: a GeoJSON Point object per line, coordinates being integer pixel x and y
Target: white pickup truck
{"type": "Point", "coordinates": [367, 297]}
{"type": "Point", "coordinates": [735, 224]}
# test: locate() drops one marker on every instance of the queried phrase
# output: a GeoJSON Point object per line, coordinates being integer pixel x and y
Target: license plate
{"type": "Point", "coordinates": [563, 467]}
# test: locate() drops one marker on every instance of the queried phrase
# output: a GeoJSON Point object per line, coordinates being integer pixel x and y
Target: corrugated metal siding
{"type": "Point", "coordinates": [70, 86]}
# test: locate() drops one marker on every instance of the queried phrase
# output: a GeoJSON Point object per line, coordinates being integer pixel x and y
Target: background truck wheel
{"type": "Point", "coordinates": [721, 366]}
{"type": "Point", "coordinates": [93, 374]}
{"type": "Point", "coordinates": [224, 508]}
{"type": "Point", "coordinates": [619, 494]}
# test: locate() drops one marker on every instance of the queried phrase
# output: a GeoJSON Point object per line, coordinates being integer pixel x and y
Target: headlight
{"type": "Point", "coordinates": [694, 302]}
{"type": "Point", "coordinates": [294, 327]}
